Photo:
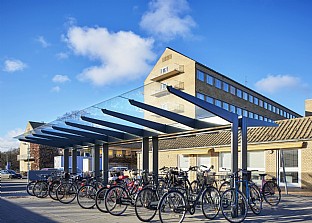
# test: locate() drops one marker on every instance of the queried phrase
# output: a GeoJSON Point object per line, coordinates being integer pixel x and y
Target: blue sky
{"type": "Point", "coordinates": [61, 56]}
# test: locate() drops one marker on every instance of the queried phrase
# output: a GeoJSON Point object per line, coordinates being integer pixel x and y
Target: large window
{"type": "Point", "coordinates": [291, 163]}
{"type": "Point", "coordinates": [255, 160]}
{"type": "Point", "coordinates": [200, 75]}
{"type": "Point", "coordinates": [245, 96]}
{"type": "Point", "coordinates": [184, 162]}
{"type": "Point", "coordinates": [224, 161]}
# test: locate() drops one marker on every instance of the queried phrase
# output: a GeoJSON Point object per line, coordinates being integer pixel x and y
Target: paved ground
{"type": "Point", "coordinates": [16, 206]}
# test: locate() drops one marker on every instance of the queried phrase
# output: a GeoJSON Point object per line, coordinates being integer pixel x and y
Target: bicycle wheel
{"type": "Point", "coordinates": [99, 199]}
{"type": "Point", "coordinates": [52, 189]}
{"type": "Point", "coordinates": [145, 205]}
{"type": "Point", "coordinates": [255, 200]}
{"type": "Point", "coordinates": [271, 193]}
{"type": "Point", "coordinates": [172, 207]}
{"type": "Point", "coordinates": [40, 189]}
{"type": "Point", "coordinates": [224, 186]}
{"type": "Point", "coordinates": [29, 187]}
{"type": "Point", "coordinates": [66, 192]}
{"type": "Point", "coordinates": [210, 202]}
{"type": "Point", "coordinates": [116, 200]}
{"type": "Point", "coordinates": [86, 196]}
{"type": "Point", "coordinates": [233, 205]}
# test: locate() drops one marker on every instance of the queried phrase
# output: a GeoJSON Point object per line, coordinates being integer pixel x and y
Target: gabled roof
{"type": "Point", "coordinates": [35, 124]}
{"type": "Point", "coordinates": [297, 129]}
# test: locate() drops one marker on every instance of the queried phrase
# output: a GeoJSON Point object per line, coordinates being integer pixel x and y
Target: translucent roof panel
{"type": "Point", "coordinates": [154, 94]}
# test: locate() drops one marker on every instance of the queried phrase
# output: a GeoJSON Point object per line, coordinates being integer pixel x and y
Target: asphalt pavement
{"type": "Point", "coordinates": [17, 206]}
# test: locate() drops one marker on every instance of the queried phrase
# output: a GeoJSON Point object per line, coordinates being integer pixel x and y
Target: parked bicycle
{"type": "Point", "coordinates": [177, 201]}
{"type": "Point", "coordinates": [234, 203]}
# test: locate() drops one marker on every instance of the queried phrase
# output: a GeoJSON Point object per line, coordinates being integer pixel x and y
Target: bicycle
{"type": "Point", "coordinates": [234, 203]}
{"type": "Point", "coordinates": [118, 197]}
{"type": "Point", "coordinates": [270, 191]}
{"type": "Point", "coordinates": [177, 201]}
{"type": "Point", "coordinates": [86, 195]}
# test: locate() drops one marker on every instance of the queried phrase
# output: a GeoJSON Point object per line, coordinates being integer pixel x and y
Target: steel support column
{"type": "Point", "coordinates": [234, 145]}
{"type": "Point", "coordinates": [155, 157]}
{"type": "Point", "coordinates": [105, 163]}
{"type": "Point", "coordinates": [243, 126]}
{"type": "Point", "coordinates": [66, 160]}
{"type": "Point", "coordinates": [145, 153]}
{"type": "Point", "coordinates": [96, 160]}
{"type": "Point", "coordinates": [74, 160]}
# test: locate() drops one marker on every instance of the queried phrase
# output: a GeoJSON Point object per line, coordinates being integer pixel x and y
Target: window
{"type": "Point", "coordinates": [218, 103]}
{"type": "Point", "coordinates": [164, 70]}
{"type": "Point", "coordinates": [232, 108]}
{"type": "Point", "coordinates": [265, 105]}
{"type": "Point", "coordinates": [291, 163]}
{"type": "Point", "coordinates": [225, 87]}
{"type": "Point", "coordinates": [256, 101]}
{"type": "Point", "coordinates": [184, 162]}
{"type": "Point", "coordinates": [209, 79]}
{"type": "Point", "coordinates": [200, 96]}
{"type": "Point", "coordinates": [224, 161]}
{"type": "Point", "coordinates": [209, 99]}
{"type": "Point", "coordinates": [273, 108]}
{"type": "Point", "coordinates": [269, 107]}
{"type": "Point", "coordinates": [225, 106]}
{"type": "Point", "coordinates": [265, 119]}
{"type": "Point", "coordinates": [277, 110]}
{"type": "Point", "coordinates": [281, 112]}
{"type": "Point", "coordinates": [256, 116]}
{"type": "Point", "coordinates": [245, 113]}
{"type": "Point", "coordinates": [250, 98]}
{"type": "Point", "coordinates": [288, 116]}
{"type": "Point", "coordinates": [218, 83]}
{"type": "Point", "coordinates": [163, 86]}
{"type": "Point", "coordinates": [260, 103]}
{"type": "Point", "coordinates": [239, 111]}
{"type": "Point", "coordinates": [245, 96]}
{"type": "Point", "coordinates": [250, 115]}
{"type": "Point", "coordinates": [239, 93]}
{"type": "Point", "coordinates": [232, 90]}
{"type": "Point", "coordinates": [260, 117]}
{"type": "Point", "coordinates": [204, 160]}
{"type": "Point", "coordinates": [255, 160]}
{"type": "Point", "coordinates": [200, 75]}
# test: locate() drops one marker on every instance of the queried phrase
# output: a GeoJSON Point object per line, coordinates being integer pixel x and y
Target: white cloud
{"type": "Point", "coordinates": [42, 41]}
{"type": "Point", "coordinates": [275, 83]}
{"type": "Point", "coordinates": [122, 55]}
{"type": "Point", "coordinates": [56, 89]}
{"type": "Point", "coordinates": [14, 65]}
{"type": "Point", "coordinates": [167, 19]}
{"type": "Point", "coordinates": [60, 78]}
{"type": "Point", "coordinates": [7, 141]}
{"type": "Point", "coordinates": [62, 56]}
